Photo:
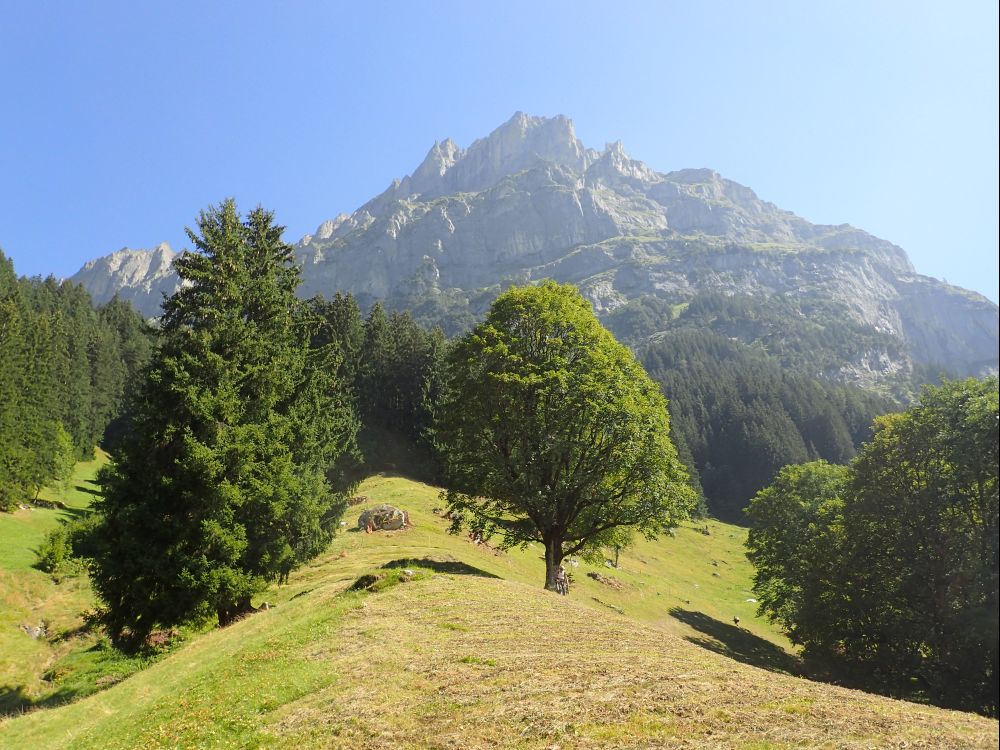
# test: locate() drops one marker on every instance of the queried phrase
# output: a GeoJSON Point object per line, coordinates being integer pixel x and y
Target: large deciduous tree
{"type": "Point", "coordinates": [551, 431]}
{"type": "Point", "coordinates": [796, 540]}
{"type": "Point", "coordinates": [222, 484]}
{"type": "Point", "coordinates": [922, 532]}
{"type": "Point", "coordinates": [890, 566]}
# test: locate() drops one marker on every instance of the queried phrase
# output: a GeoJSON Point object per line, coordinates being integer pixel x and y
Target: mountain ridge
{"type": "Point", "coordinates": [531, 201]}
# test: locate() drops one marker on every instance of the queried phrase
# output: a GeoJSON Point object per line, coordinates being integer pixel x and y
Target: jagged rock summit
{"type": "Point", "coordinates": [140, 276]}
{"type": "Point", "coordinates": [530, 201]}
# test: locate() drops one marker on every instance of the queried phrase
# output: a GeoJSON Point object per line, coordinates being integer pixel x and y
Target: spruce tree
{"type": "Point", "coordinates": [222, 486]}
{"type": "Point", "coordinates": [13, 455]}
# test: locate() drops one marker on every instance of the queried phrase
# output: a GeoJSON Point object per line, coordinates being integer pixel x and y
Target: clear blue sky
{"type": "Point", "coordinates": [119, 121]}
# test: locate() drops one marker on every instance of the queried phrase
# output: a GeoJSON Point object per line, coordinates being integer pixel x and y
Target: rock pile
{"type": "Point", "coordinates": [383, 518]}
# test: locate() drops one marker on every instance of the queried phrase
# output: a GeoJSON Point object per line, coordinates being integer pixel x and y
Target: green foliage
{"type": "Point", "coordinates": [65, 548]}
{"type": "Point", "coordinates": [550, 430]}
{"type": "Point", "coordinates": [64, 368]}
{"type": "Point", "coordinates": [391, 368]}
{"type": "Point", "coordinates": [63, 455]}
{"type": "Point", "coordinates": [399, 373]}
{"type": "Point", "coordinates": [892, 567]}
{"type": "Point", "coordinates": [751, 381]}
{"type": "Point", "coordinates": [798, 521]}
{"type": "Point", "coordinates": [222, 486]}
{"type": "Point", "coordinates": [56, 551]}
{"type": "Point", "coordinates": [339, 326]}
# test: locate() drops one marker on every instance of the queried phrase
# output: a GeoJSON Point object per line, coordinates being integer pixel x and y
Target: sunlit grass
{"type": "Point", "coordinates": [456, 645]}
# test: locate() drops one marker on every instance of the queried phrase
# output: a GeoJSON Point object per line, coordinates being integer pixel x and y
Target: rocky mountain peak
{"type": "Point", "coordinates": [615, 166]}
{"type": "Point", "coordinates": [140, 276]}
{"type": "Point", "coordinates": [529, 201]}
{"type": "Point", "coordinates": [523, 142]}
{"type": "Point", "coordinates": [428, 177]}
{"type": "Point", "coordinates": [135, 263]}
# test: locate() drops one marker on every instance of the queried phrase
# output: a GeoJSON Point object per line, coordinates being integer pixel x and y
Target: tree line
{"type": "Point", "coordinates": [887, 569]}
{"type": "Point", "coordinates": [64, 369]}
{"type": "Point", "coordinates": [391, 368]}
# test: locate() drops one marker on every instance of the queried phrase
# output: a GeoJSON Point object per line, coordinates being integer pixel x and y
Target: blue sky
{"type": "Point", "coordinates": [119, 121]}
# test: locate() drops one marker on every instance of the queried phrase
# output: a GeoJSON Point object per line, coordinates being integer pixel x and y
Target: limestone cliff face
{"type": "Point", "coordinates": [530, 201]}
{"type": "Point", "coordinates": [142, 277]}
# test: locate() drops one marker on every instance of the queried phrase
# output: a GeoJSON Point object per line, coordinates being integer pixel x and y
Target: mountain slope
{"type": "Point", "coordinates": [463, 654]}
{"type": "Point", "coordinates": [530, 201]}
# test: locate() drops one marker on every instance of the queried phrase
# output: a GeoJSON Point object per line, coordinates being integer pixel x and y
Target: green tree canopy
{"type": "Point", "coordinates": [550, 430]}
{"type": "Point", "coordinates": [922, 532]}
{"type": "Point", "coordinates": [222, 485]}
{"type": "Point", "coordinates": [890, 566]}
{"type": "Point", "coordinates": [796, 538]}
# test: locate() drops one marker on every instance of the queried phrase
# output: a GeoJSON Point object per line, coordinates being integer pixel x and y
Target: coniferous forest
{"type": "Point", "coordinates": [738, 416]}
{"type": "Point", "coordinates": [65, 368]}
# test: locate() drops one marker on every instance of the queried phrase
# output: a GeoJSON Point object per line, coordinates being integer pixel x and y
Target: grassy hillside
{"type": "Point", "coordinates": [29, 597]}
{"type": "Point", "coordinates": [688, 583]}
{"type": "Point", "coordinates": [458, 646]}
{"type": "Point", "coordinates": [47, 654]}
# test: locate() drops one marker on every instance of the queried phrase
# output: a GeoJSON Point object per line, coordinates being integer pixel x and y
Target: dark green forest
{"type": "Point", "coordinates": [64, 371]}
{"type": "Point", "coordinates": [391, 368]}
{"type": "Point", "coordinates": [738, 416]}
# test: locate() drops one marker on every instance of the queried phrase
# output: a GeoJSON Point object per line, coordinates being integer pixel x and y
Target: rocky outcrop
{"type": "Point", "coordinates": [530, 201]}
{"type": "Point", "coordinates": [143, 277]}
{"type": "Point", "coordinates": [383, 518]}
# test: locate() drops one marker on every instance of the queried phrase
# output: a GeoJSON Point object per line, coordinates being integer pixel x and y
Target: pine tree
{"type": "Point", "coordinates": [339, 324]}
{"type": "Point", "coordinates": [376, 355]}
{"type": "Point", "coordinates": [14, 459]}
{"type": "Point", "coordinates": [223, 486]}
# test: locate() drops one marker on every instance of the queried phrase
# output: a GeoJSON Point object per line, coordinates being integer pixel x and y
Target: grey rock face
{"type": "Point", "coordinates": [383, 518]}
{"type": "Point", "coordinates": [142, 277]}
{"type": "Point", "coordinates": [530, 201]}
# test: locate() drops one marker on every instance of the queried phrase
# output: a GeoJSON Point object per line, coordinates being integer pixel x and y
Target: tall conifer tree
{"type": "Point", "coordinates": [223, 486]}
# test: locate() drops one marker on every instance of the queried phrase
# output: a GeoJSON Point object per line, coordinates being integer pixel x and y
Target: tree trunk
{"type": "Point", "coordinates": [553, 557]}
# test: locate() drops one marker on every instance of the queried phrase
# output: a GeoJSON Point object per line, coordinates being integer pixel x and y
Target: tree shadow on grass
{"type": "Point", "coordinates": [69, 513]}
{"type": "Point", "coordinates": [88, 490]}
{"type": "Point", "coordinates": [737, 643]}
{"type": "Point", "coordinates": [14, 700]}
{"type": "Point", "coordinates": [441, 566]}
